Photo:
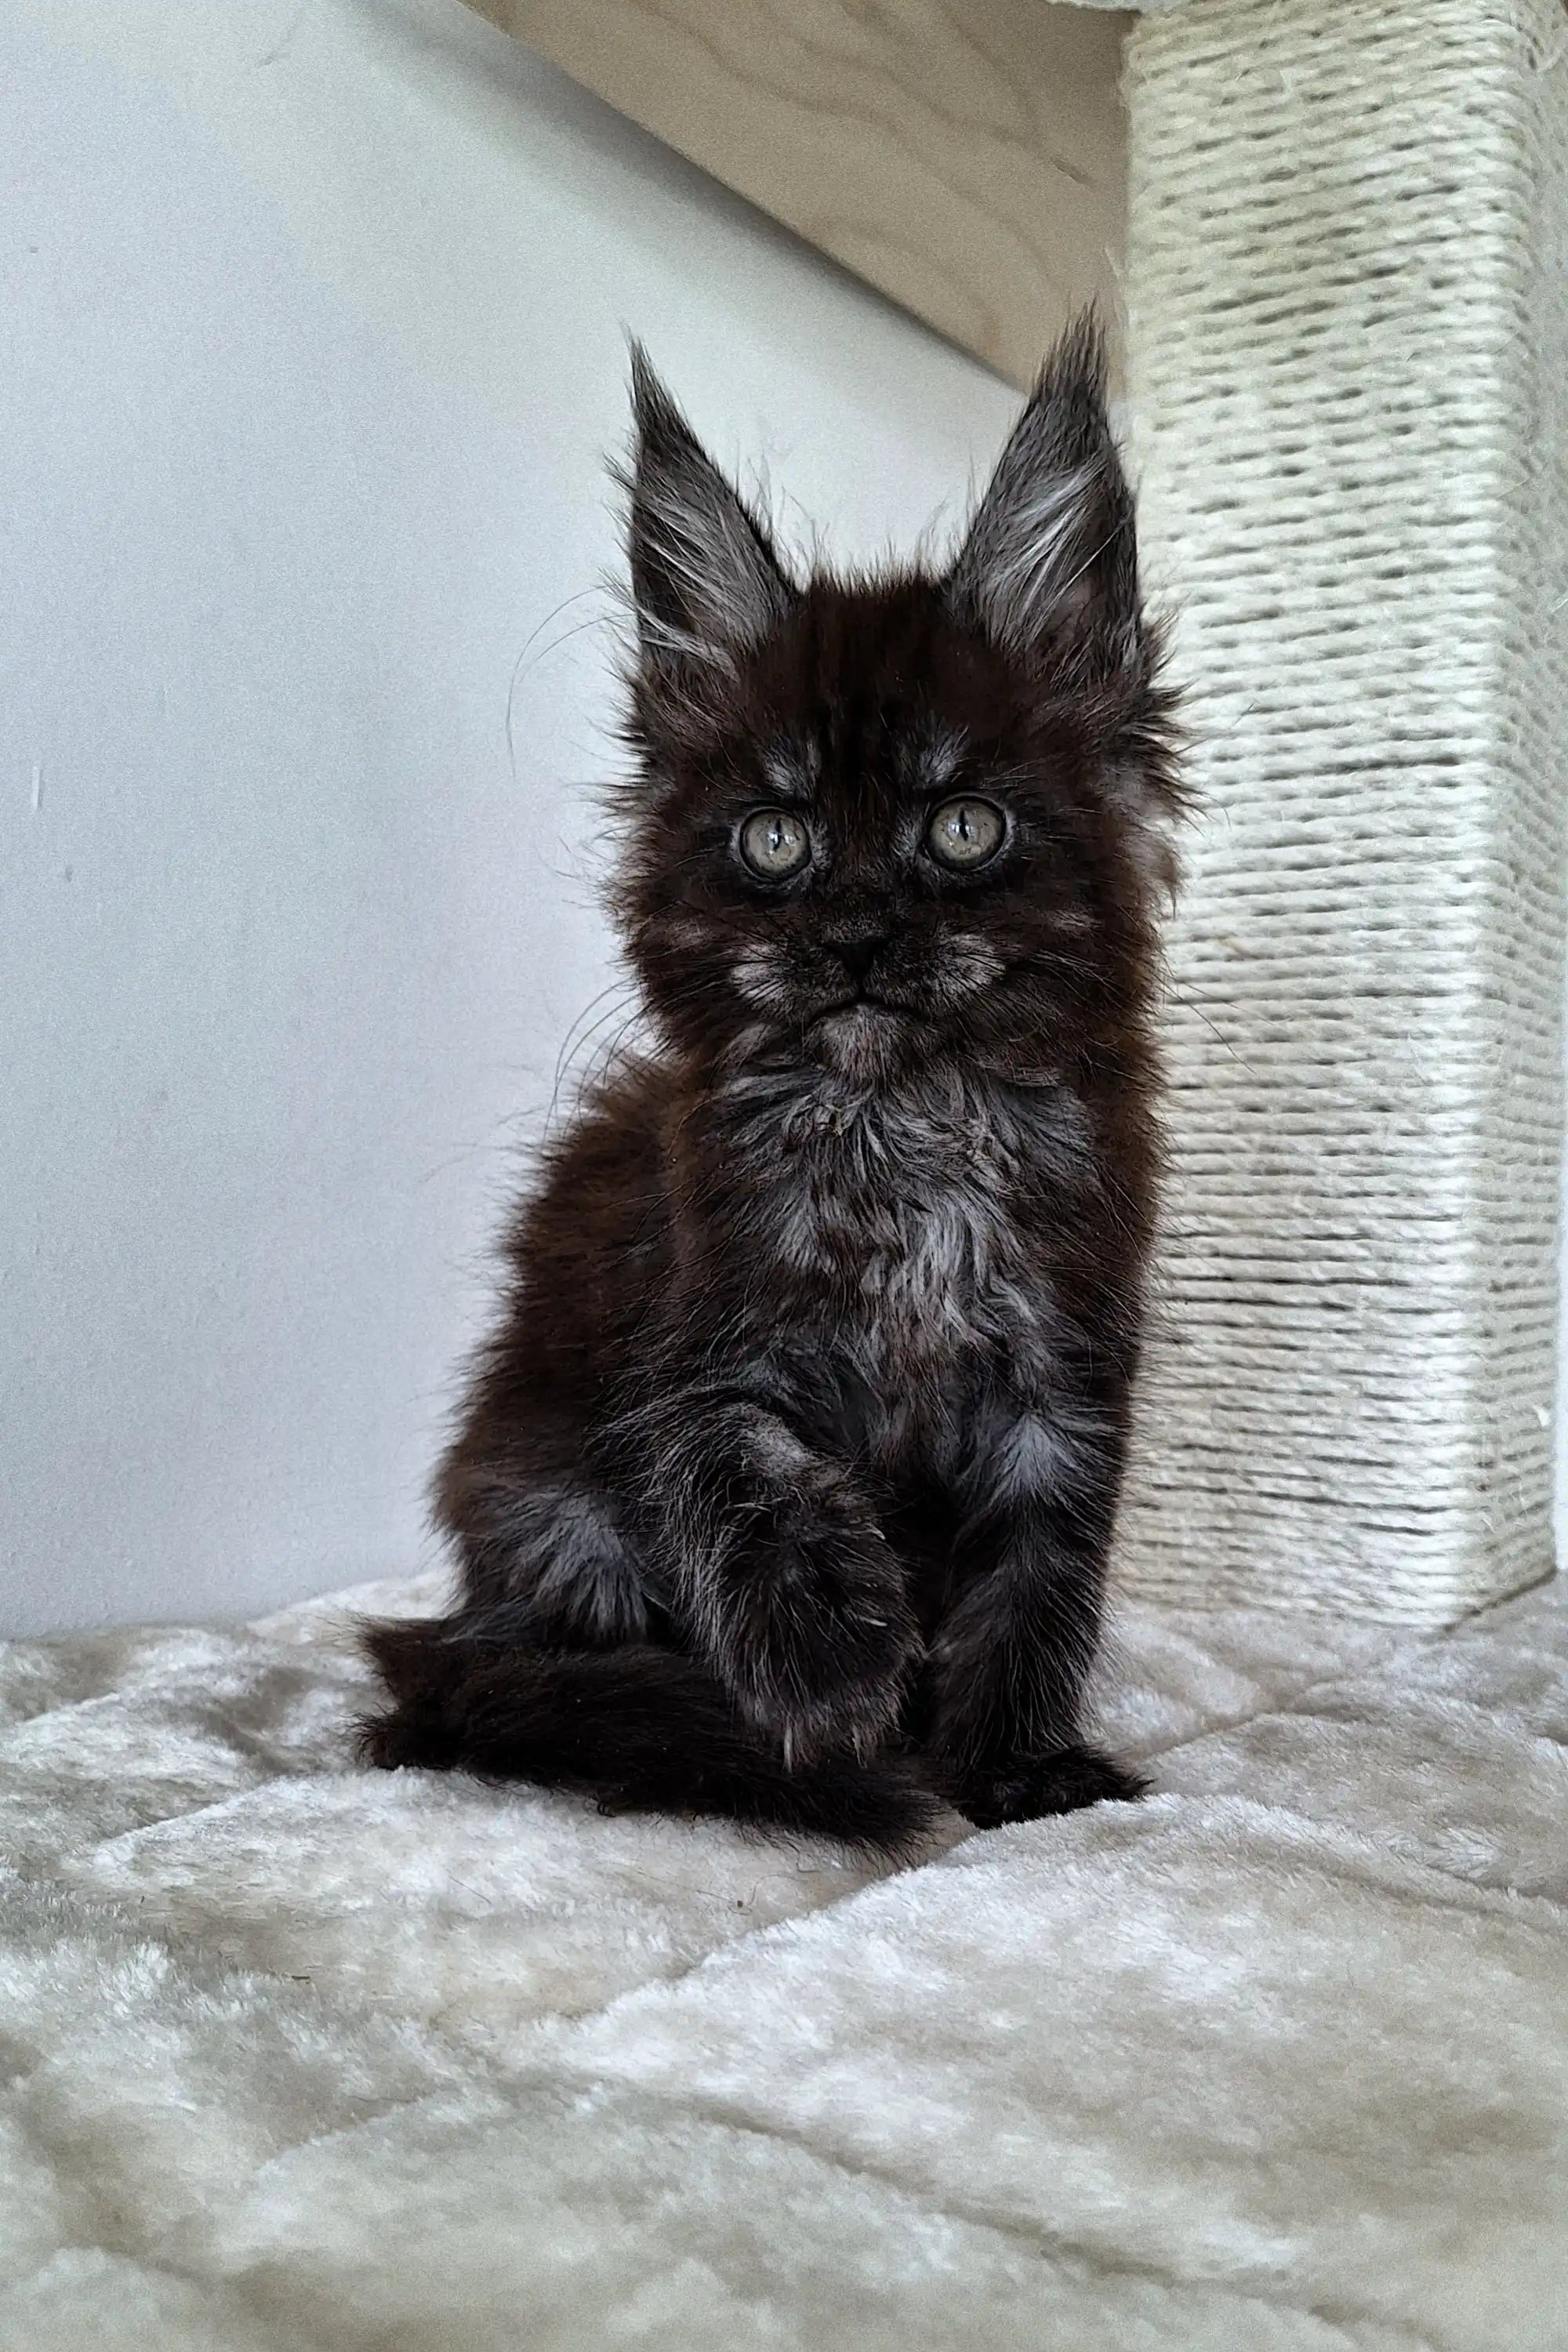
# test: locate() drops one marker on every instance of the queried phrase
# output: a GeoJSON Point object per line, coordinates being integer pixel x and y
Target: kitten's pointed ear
{"type": "Point", "coordinates": [705, 580]}
{"type": "Point", "coordinates": [1048, 570]}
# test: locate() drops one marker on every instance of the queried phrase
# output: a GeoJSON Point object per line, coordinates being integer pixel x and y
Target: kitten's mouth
{"type": "Point", "coordinates": [883, 1006]}
{"type": "Point", "coordinates": [853, 1011]}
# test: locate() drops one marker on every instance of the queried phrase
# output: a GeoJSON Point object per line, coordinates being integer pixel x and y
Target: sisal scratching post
{"type": "Point", "coordinates": [1348, 365]}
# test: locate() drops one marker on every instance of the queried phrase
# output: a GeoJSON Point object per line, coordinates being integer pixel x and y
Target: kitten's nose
{"type": "Point", "coordinates": [858, 956]}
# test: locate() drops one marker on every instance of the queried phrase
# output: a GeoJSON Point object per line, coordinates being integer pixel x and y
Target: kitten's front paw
{"type": "Point", "coordinates": [1025, 1788]}
{"type": "Point", "coordinates": [816, 1641]}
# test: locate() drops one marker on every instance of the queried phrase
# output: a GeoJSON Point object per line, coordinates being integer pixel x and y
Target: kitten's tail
{"type": "Point", "coordinates": [638, 1729]}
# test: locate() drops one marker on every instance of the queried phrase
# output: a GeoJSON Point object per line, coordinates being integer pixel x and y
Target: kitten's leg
{"type": "Point", "coordinates": [1011, 1658]}
{"type": "Point", "coordinates": [773, 1560]}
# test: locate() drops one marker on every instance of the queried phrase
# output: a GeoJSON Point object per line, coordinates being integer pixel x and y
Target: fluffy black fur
{"type": "Point", "coordinates": [785, 1487]}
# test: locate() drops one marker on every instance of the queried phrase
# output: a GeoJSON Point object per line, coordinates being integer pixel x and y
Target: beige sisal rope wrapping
{"type": "Point", "coordinates": [1349, 366]}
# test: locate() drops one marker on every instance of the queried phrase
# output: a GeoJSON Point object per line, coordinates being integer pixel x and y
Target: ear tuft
{"type": "Point", "coordinates": [1048, 569]}
{"type": "Point", "coordinates": [706, 583]}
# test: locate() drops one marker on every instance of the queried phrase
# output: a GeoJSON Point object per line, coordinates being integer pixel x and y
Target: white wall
{"type": "Point", "coordinates": [312, 340]}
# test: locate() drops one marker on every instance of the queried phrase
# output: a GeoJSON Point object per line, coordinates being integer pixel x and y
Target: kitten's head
{"type": "Point", "coordinates": [881, 823]}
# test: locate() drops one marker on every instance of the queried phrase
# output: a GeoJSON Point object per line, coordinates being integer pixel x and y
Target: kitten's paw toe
{"type": "Point", "coordinates": [818, 1649]}
{"type": "Point", "coordinates": [836, 1690]}
{"type": "Point", "coordinates": [1025, 1789]}
{"type": "Point", "coordinates": [855, 1718]}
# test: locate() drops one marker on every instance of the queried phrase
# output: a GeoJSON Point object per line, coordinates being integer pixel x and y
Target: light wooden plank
{"type": "Point", "coordinates": [966, 156]}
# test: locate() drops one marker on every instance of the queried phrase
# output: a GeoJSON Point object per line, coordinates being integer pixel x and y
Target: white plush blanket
{"type": "Point", "coordinates": [303, 2059]}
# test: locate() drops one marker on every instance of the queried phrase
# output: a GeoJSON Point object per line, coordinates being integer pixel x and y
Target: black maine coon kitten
{"type": "Point", "coordinates": [784, 1486]}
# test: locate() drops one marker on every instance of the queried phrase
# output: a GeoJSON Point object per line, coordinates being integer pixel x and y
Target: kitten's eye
{"type": "Point", "coordinates": [965, 833]}
{"type": "Point", "coordinates": [774, 844]}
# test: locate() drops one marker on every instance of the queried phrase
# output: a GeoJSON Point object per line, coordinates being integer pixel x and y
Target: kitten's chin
{"type": "Point", "coordinates": [865, 1041]}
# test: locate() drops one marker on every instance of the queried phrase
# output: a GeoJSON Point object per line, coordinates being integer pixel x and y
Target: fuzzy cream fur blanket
{"type": "Point", "coordinates": [302, 2059]}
